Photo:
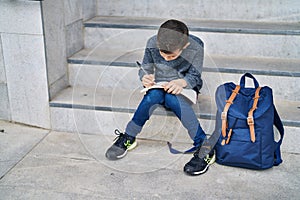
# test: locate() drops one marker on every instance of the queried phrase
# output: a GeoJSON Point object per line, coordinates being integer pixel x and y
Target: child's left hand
{"type": "Point", "coordinates": [175, 86]}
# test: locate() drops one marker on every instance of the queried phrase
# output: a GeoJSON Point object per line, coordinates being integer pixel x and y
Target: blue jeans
{"type": "Point", "coordinates": [178, 104]}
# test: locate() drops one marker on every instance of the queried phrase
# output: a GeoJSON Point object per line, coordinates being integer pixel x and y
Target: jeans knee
{"type": "Point", "coordinates": [172, 102]}
{"type": "Point", "coordinates": [154, 97]}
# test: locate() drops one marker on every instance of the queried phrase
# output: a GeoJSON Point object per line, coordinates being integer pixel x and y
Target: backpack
{"type": "Point", "coordinates": [244, 120]}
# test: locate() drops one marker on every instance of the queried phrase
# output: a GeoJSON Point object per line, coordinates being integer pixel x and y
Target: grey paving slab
{"type": "Point", "coordinates": [71, 166]}
{"type": "Point", "coordinates": [15, 142]}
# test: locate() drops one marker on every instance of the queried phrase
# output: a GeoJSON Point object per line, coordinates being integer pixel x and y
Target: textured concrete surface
{"type": "Point", "coordinates": [22, 61]}
{"type": "Point", "coordinates": [72, 166]}
{"type": "Point", "coordinates": [217, 42]}
{"type": "Point", "coordinates": [16, 141]}
{"type": "Point", "coordinates": [101, 67]}
{"type": "Point", "coordinates": [24, 15]}
{"type": "Point", "coordinates": [273, 10]}
{"type": "Point", "coordinates": [26, 75]}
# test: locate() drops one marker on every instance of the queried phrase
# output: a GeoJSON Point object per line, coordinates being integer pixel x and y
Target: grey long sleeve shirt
{"type": "Point", "coordinates": [187, 66]}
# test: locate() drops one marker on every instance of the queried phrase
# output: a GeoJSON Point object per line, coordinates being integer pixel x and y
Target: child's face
{"type": "Point", "coordinates": [173, 55]}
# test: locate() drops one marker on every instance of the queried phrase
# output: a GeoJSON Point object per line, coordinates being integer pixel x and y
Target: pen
{"type": "Point", "coordinates": [140, 66]}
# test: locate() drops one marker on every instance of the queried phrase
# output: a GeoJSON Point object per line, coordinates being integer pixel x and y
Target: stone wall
{"type": "Point", "coordinates": [23, 80]}
{"type": "Point", "coordinates": [36, 38]}
{"type": "Point", "coordinates": [63, 25]}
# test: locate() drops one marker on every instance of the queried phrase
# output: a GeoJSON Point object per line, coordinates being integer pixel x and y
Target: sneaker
{"type": "Point", "coordinates": [122, 143]}
{"type": "Point", "coordinates": [197, 166]}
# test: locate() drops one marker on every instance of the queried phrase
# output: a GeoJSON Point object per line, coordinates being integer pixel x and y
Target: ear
{"type": "Point", "coordinates": [185, 46]}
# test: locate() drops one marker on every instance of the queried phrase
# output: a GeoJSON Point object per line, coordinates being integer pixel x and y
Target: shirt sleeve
{"type": "Point", "coordinates": [148, 63]}
{"type": "Point", "coordinates": [193, 75]}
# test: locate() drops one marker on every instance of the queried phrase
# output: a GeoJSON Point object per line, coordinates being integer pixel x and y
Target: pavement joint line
{"type": "Point", "coordinates": [25, 155]}
{"type": "Point", "coordinates": [57, 165]}
{"type": "Point", "coordinates": [23, 124]}
{"type": "Point", "coordinates": [45, 191]}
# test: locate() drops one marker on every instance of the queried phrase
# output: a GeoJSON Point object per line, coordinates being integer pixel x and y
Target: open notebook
{"type": "Point", "coordinates": [188, 93]}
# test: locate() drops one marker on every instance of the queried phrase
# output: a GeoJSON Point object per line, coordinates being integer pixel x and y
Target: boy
{"type": "Point", "coordinates": [175, 57]}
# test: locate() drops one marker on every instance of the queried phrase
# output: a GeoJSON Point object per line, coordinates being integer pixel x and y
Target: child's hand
{"type": "Point", "coordinates": [148, 80]}
{"type": "Point", "coordinates": [175, 86]}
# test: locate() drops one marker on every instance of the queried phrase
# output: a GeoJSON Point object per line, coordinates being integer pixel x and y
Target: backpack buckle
{"type": "Point", "coordinates": [224, 115]}
{"type": "Point", "coordinates": [250, 121]}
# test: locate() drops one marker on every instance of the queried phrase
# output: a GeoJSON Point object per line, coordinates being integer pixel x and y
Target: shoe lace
{"type": "Point", "coordinates": [207, 158]}
{"type": "Point", "coordinates": [120, 139]}
{"type": "Point", "coordinates": [196, 153]}
{"type": "Point", "coordinates": [195, 157]}
{"type": "Point", "coordinates": [118, 133]}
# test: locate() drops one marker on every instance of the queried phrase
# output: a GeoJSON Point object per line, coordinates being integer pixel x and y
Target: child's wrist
{"type": "Point", "coordinates": [183, 83]}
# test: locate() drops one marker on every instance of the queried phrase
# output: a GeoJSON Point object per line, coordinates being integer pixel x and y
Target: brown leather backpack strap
{"type": "Point", "coordinates": [229, 102]}
{"type": "Point", "coordinates": [229, 136]}
{"type": "Point", "coordinates": [250, 119]}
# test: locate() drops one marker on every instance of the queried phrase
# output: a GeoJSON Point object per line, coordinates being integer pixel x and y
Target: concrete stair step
{"type": "Point", "coordinates": [97, 110]}
{"type": "Point", "coordinates": [234, 38]}
{"type": "Point", "coordinates": [257, 10]}
{"type": "Point", "coordinates": [117, 69]}
{"type": "Point", "coordinates": [202, 25]}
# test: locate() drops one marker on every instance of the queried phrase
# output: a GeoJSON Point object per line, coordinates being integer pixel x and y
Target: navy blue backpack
{"type": "Point", "coordinates": [245, 119]}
